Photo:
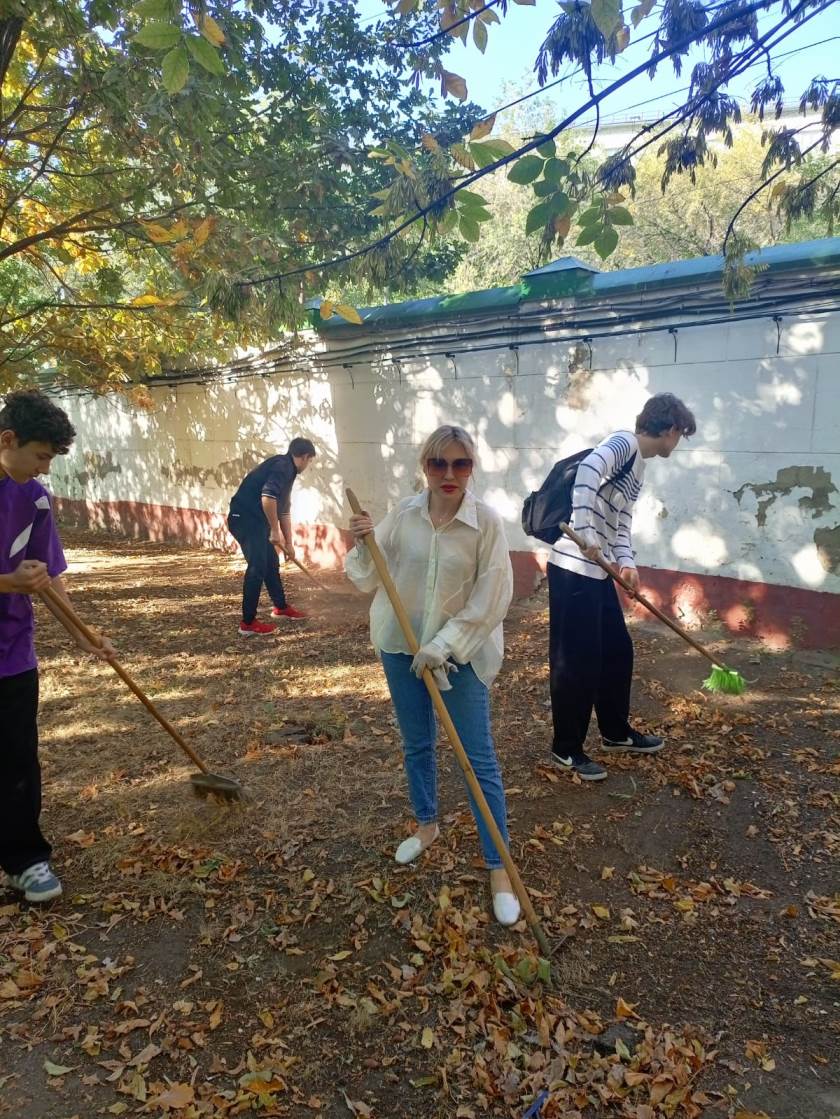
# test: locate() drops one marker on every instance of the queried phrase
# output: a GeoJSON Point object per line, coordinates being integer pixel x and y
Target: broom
{"type": "Point", "coordinates": [721, 678]}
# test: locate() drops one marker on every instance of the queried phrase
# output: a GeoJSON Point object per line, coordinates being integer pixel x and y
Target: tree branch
{"type": "Point", "coordinates": [444, 32]}
{"type": "Point", "coordinates": [660, 56]}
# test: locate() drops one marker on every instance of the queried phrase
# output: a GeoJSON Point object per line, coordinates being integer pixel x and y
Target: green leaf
{"type": "Point", "coordinates": [620, 215]}
{"type": "Point", "coordinates": [556, 170]}
{"type": "Point", "coordinates": [470, 197]}
{"type": "Point", "coordinates": [547, 149]}
{"type": "Point", "coordinates": [593, 214]}
{"type": "Point", "coordinates": [607, 16]}
{"type": "Point", "coordinates": [469, 228]}
{"type": "Point", "coordinates": [153, 9]}
{"type": "Point", "coordinates": [538, 217]}
{"type": "Point", "coordinates": [480, 35]}
{"type": "Point", "coordinates": [558, 204]}
{"type": "Point", "coordinates": [589, 233]}
{"type": "Point", "coordinates": [158, 36]}
{"type": "Point", "coordinates": [175, 69]}
{"type": "Point", "coordinates": [449, 220]}
{"type": "Point", "coordinates": [607, 241]}
{"type": "Point", "coordinates": [205, 54]}
{"type": "Point", "coordinates": [642, 10]}
{"type": "Point", "coordinates": [490, 151]}
{"type": "Point", "coordinates": [525, 170]}
{"type": "Point", "coordinates": [542, 189]}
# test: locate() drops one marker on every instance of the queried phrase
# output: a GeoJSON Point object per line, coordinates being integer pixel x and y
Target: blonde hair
{"type": "Point", "coordinates": [442, 437]}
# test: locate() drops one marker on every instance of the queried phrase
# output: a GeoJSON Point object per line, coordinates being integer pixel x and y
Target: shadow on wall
{"type": "Point", "coordinates": [740, 521]}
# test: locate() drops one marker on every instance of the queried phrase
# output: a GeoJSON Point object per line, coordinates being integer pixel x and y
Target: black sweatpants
{"type": "Point", "coordinates": [590, 656]}
{"type": "Point", "coordinates": [253, 536]}
{"type": "Point", "coordinates": [21, 842]}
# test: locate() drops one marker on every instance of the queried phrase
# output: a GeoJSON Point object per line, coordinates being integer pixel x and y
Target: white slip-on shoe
{"type": "Point", "coordinates": [506, 908]}
{"type": "Point", "coordinates": [411, 848]}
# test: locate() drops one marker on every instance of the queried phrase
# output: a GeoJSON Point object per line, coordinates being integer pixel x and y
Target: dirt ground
{"type": "Point", "coordinates": [272, 959]}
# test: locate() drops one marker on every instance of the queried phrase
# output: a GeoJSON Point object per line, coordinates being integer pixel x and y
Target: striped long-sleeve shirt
{"type": "Point", "coordinates": [602, 509]}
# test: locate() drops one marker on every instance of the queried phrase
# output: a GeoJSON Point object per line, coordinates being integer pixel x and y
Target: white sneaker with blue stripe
{"type": "Point", "coordinates": [37, 883]}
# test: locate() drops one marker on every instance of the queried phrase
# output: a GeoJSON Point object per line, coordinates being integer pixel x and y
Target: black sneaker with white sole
{"type": "Point", "coordinates": [635, 743]}
{"type": "Point", "coordinates": [582, 765]}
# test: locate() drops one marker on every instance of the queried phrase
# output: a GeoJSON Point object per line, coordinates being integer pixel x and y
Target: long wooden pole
{"type": "Point", "coordinates": [454, 737]}
{"type": "Point", "coordinates": [72, 622]}
{"type": "Point", "coordinates": [622, 582]}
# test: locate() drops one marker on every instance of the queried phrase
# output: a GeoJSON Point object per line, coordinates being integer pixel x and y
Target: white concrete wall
{"type": "Point", "coordinates": [745, 498]}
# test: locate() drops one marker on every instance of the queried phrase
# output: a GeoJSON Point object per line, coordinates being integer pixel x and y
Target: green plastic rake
{"type": "Point", "coordinates": [721, 678]}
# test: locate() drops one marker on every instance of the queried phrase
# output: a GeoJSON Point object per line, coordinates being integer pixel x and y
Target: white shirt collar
{"type": "Point", "coordinates": [467, 510]}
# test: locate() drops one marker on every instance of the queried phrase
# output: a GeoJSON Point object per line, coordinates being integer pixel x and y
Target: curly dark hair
{"type": "Point", "coordinates": [35, 419]}
{"type": "Point", "coordinates": [664, 411]}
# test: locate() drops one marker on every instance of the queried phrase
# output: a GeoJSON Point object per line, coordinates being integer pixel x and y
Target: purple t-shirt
{"type": "Point", "coordinates": [27, 531]}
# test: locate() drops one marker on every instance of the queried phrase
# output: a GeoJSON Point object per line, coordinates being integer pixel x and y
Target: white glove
{"type": "Point", "coordinates": [433, 657]}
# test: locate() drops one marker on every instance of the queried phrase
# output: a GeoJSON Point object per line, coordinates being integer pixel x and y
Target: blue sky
{"type": "Point", "coordinates": [513, 45]}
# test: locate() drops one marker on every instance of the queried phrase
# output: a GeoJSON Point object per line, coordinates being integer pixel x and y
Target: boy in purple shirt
{"type": "Point", "coordinates": [32, 431]}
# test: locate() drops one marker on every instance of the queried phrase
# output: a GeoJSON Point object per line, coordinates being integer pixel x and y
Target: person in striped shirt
{"type": "Point", "coordinates": [590, 650]}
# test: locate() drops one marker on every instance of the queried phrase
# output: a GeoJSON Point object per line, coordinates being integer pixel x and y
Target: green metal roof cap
{"type": "Point", "coordinates": [569, 278]}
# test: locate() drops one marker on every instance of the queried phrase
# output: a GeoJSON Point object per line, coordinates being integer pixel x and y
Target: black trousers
{"type": "Point", "coordinates": [21, 842]}
{"type": "Point", "coordinates": [590, 656]}
{"type": "Point", "coordinates": [252, 535]}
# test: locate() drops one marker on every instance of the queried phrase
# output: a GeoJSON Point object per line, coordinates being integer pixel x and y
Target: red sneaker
{"type": "Point", "coordinates": [288, 612]}
{"type": "Point", "coordinates": [250, 629]}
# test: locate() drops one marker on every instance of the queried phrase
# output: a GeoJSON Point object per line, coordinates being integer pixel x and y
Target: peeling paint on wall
{"type": "Point", "coordinates": [96, 467]}
{"type": "Point", "coordinates": [816, 479]}
{"type": "Point", "coordinates": [827, 541]}
{"type": "Point", "coordinates": [580, 378]}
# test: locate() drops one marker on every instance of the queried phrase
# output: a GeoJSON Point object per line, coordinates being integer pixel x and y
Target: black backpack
{"type": "Point", "coordinates": [546, 507]}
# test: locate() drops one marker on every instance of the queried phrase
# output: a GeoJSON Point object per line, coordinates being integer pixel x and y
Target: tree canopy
{"type": "Point", "coordinates": [179, 178]}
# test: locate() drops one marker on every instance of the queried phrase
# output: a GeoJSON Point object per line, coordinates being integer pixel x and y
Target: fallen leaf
{"type": "Point", "coordinates": [57, 1070]}
{"type": "Point", "coordinates": [177, 1096]}
{"type": "Point", "coordinates": [625, 1009]}
{"type": "Point", "coordinates": [427, 1039]}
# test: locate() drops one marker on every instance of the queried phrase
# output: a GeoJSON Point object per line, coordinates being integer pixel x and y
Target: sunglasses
{"type": "Point", "coordinates": [437, 467]}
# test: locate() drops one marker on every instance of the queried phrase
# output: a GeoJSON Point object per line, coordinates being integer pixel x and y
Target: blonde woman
{"type": "Point", "coordinates": [448, 556]}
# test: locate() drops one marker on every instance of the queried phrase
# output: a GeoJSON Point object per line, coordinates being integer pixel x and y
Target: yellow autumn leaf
{"type": "Point", "coordinates": [483, 128]}
{"type": "Point", "coordinates": [601, 912]}
{"type": "Point", "coordinates": [625, 1009]}
{"type": "Point", "coordinates": [340, 955]}
{"type": "Point", "coordinates": [427, 1038]}
{"type": "Point", "coordinates": [202, 231]}
{"type": "Point", "coordinates": [157, 233]}
{"type": "Point", "coordinates": [349, 313]}
{"type": "Point", "coordinates": [147, 300]}
{"type": "Point", "coordinates": [211, 31]}
{"type": "Point", "coordinates": [327, 309]}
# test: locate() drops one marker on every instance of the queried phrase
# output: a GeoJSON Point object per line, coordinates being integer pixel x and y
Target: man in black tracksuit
{"type": "Point", "coordinates": [260, 522]}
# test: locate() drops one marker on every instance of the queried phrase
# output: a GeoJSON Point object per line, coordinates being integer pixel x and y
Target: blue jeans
{"type": "Point", "coordinates": [468, 703]}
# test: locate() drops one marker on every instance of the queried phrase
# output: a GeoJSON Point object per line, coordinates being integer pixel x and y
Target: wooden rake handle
{"type": "Point", "coordinates": [453, 736]}
{"type": "Point", "coordinates": [74, 624]}
{"type": "Point", "coordinates": [622, 582]}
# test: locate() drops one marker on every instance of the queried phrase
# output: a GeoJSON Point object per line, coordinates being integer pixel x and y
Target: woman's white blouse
{"type": "Point", "coordinates": [455, 582]}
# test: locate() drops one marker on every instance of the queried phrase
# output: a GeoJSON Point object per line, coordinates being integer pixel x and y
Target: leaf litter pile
{"type": "Point", "coordinates": [271, 959]}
